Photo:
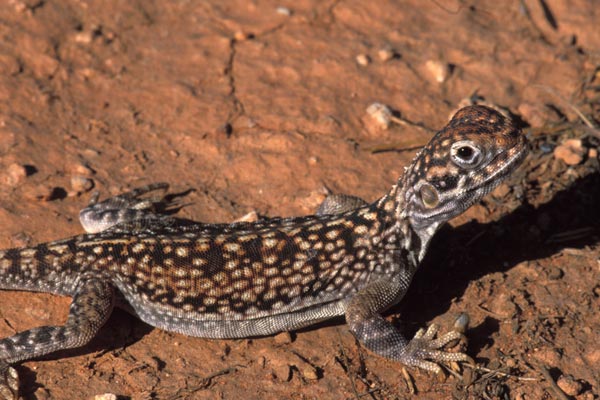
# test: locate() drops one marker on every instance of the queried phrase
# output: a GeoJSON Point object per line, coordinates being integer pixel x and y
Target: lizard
{"type": "Point", "coordinates": [245, 279]}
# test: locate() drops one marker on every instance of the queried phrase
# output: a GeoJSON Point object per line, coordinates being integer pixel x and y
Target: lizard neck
{"type": "Point", "coordinates": [398, 230]}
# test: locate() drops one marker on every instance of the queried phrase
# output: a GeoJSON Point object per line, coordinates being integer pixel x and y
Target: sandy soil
{"type": "Point", "coordinates": [260, 106]}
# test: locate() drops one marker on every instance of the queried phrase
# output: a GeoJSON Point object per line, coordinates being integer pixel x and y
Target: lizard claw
{"type": "Point", "coordinates": [9, 383]}
{"type": "Point", "coordinates": [423, 350]}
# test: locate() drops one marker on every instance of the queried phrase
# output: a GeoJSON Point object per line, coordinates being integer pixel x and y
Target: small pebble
{"type": "Point", "coordinates": [363, 60]}
{"type": "Point", "coordinates": [105, 396]}
{"type": "Point", "coordinates": [381, 114]}
{"type": "Point", "coordinates": [547, 355]}
{"type": "Point", "coordinates": [91, 152]}
{"type": "Point", "coordinates": [283, 338]}
{"type": "Point", "coordinates": [252, 216]}
{"type": "Point", "coordinates": [81, 169]}
{"type": "Point", "coordinates": [546, 148]}
{"type": "Point", "coordinates": [592, 356]}
{"type": "Point", "coordinates": [81, 184]}
{"type": "Point", "coordinates": [510, 362]}
{"type": "Point", "coordinates": [21, 239]}
{"type": "Point", "coordinates": [262, 361]}
{"type": "Point", "coordinates": [536, 114]}
{"type": "Point", "coordinates": [83, 37]}
{"type": "Point", "coordinates": [555, 273]}
{"type": "Point", "coordinates": [438, 69]}
{"type": "Point", "coordinates": [569, 385]}
{"type": "Point", "coordinates": [20, 6]}
{"type": "Point", "coordinates": [501, 191]}
{"type": "Point", "coordinates": [42, 394]}
{"type": "Point", "coordinates": [571, 151]}
{"type": "Point", "coordinates": [14, 174]}
{"type": "Point", "coordinates": [281, 369]}
{"type": "Point", "coordinates": [284, 11]}
{"type": "Point", "coordinates": [310, 373]}
{"type": "Point", "coordinates": [520, 396]}
{"type": "Point", "coordinates": [504, 306]}
{"type": "Point", "coordinates": [386, 53]}
{"type": "Point", "coordinates": [241, 36]}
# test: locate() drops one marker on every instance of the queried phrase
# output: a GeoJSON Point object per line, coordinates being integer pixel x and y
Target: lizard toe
{"type": "Point", "coordinates": [9, 383]}
{"type": "Point", "coordinates": [423, 351]}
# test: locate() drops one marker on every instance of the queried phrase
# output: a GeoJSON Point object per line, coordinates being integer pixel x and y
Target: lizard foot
{"type": "Point", "coordinates": [423, 351]}
{"type": "Point", "coordinates": [9, 382]}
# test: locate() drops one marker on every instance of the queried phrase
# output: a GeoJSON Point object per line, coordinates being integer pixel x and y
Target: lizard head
{"type": "Point", "coordinates": [462, 163]}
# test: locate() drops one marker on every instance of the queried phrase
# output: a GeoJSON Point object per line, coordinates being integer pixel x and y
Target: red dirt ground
{"type": "Point", "coordinates": [260, 105]}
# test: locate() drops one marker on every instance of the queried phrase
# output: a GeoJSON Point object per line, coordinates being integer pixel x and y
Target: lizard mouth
{"type": "Point", "coordinates": [512, 161]}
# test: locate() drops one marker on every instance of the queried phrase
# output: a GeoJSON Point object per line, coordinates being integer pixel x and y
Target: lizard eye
{"type": "Point", "coordinates": [466, 155]}
{"type": "Point", "coordinates": [429, 196]}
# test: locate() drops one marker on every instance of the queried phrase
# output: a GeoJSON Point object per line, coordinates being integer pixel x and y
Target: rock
{"type": "Point", "coordinates": [83, 37]}
{"type": "Point", "coordinates": [105, 396]}
{"type": "Point", "coordinates": [81, 169]}
{"type": "Point", "coordinates": [438, 69]}
{"type": "Point", "coordinates": [14, 174]}
{"type": "Point", "coordinates": [310, 373]}
{"type": "Point", "coordinates": [252, 216]}
{"type": "Point", "coordinates": [283, 11]}
{"type": "Point", "coordinates": [501, 191]}
{"type": "Point", "coordinates": [283, 338]}
{"type": "Point", "coordinates": [240, 36]}
{"type": "Point", "coordinates": [281, 369]}
{"type": "Point", "coordinates": [381, 114]}
{"type": "Point", "coordinates": [549, 356]}
{"type": "Point", "coordinates": [571, 151]}
{"type": "Point", "coordinates": [554, 273]}
{"type": "Point", "coordinates": [592, 356]}
{"type": "Point", "coordinates": [504, 306]}
{"type": "Point", "coordinates": [569, 385]}
{"type": "Point", "coordinates": [363, 60]}
{"type": "Point", "coordinates": [536, 114]}
{"type": "Point", "coordinates": [81, 184]}
{"type": "Point", "coordinates": [386, 53]}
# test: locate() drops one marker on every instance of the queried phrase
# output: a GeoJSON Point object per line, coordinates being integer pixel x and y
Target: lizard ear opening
{"type": "Point", "coordinates": [429, 196]}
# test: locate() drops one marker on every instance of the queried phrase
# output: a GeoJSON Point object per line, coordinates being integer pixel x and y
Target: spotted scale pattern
{"type": "Point", "coordinates": [247, 279]}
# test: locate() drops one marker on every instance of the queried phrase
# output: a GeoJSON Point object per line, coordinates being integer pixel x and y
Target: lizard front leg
{"type": "Point", "coordinates": [363, 315]}
{"type": "Point", "coordinates": [90, 309]}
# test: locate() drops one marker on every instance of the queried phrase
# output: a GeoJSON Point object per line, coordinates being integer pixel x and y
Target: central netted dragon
{"type": "Point", "coordinates": [248, 279]}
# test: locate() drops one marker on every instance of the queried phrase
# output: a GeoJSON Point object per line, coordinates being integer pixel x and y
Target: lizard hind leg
{"type": "Point", "coordinates": [126, 207]}
{"type": "Point", "coordinates": [90, 309]}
